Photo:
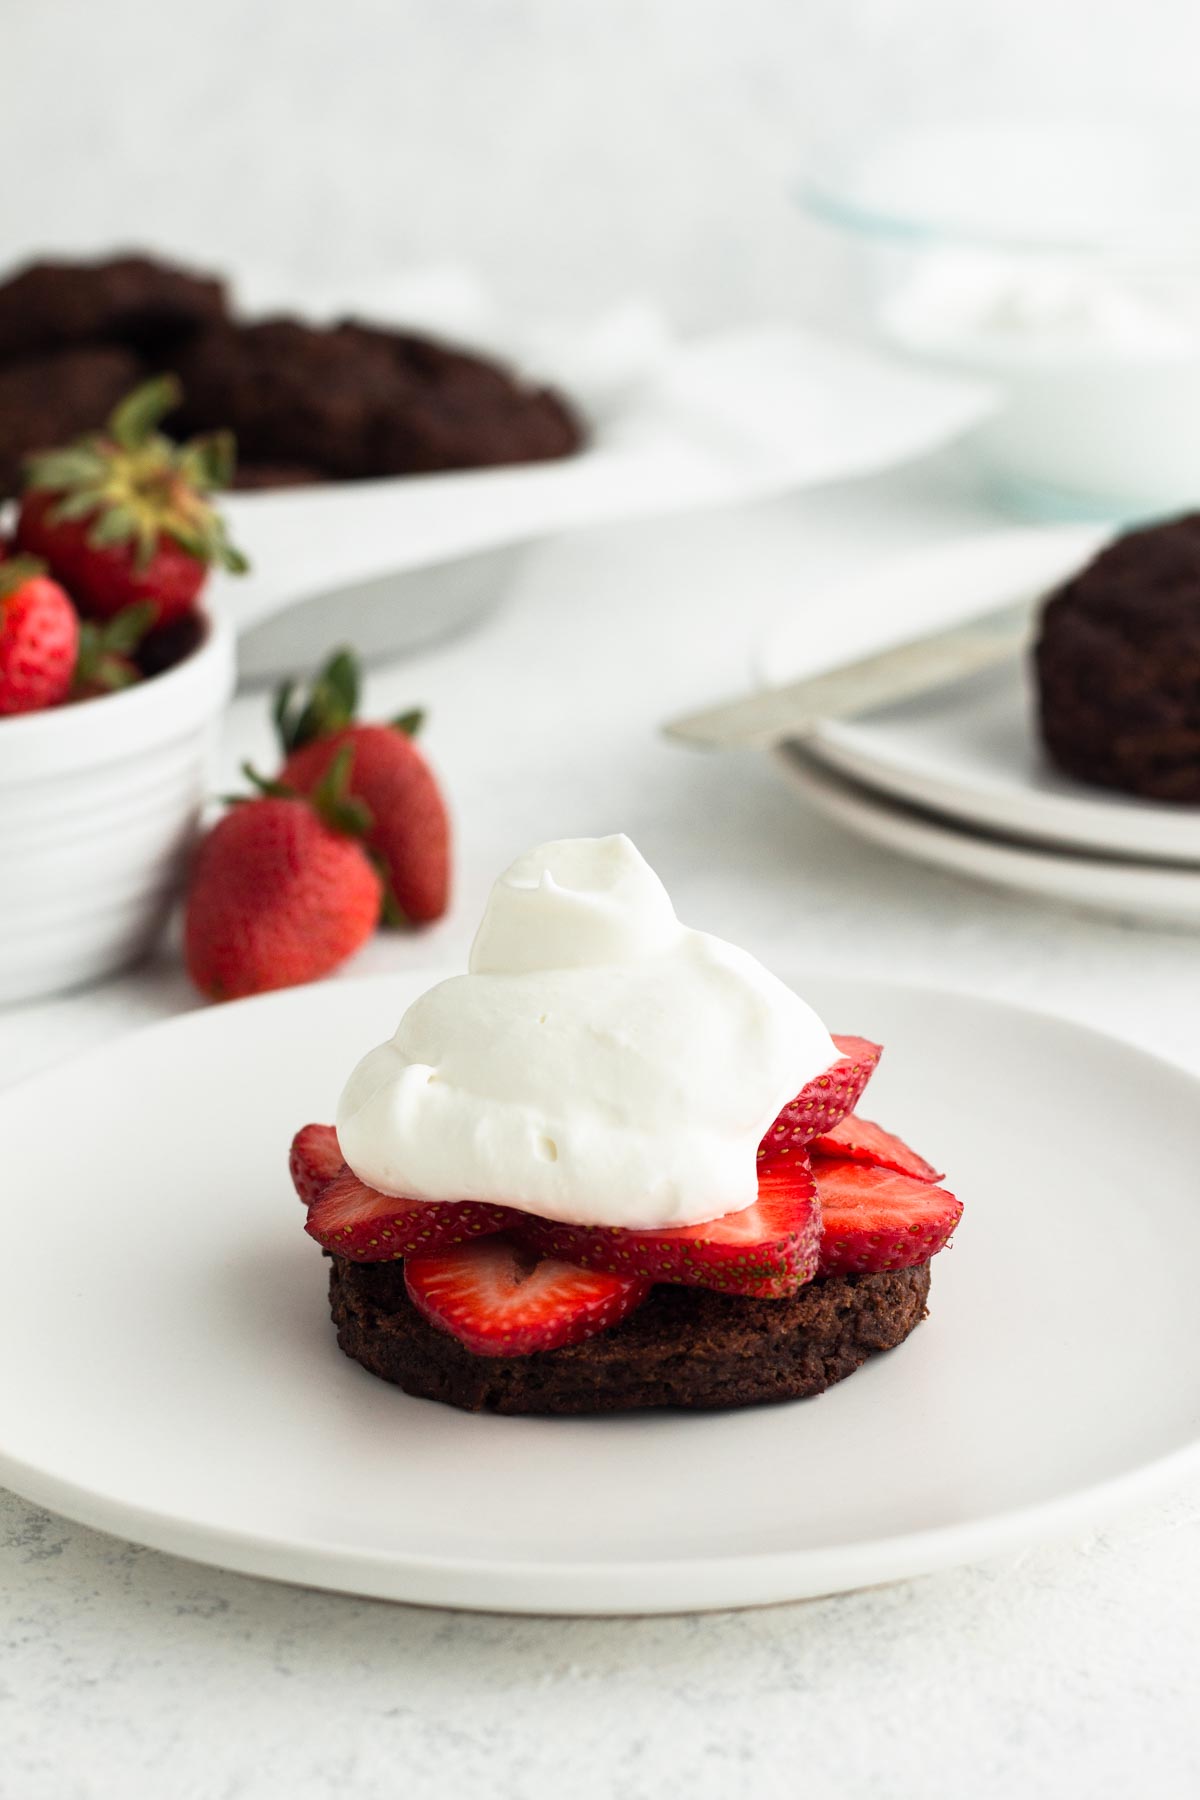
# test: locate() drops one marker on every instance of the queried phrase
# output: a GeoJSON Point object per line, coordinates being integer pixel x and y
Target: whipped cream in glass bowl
{"type": "Point", "coordinates": [1059, 260]}
{"type": "Point", "coordinates": [599, 1064]}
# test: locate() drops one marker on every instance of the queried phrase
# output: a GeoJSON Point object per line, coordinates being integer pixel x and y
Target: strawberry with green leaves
{"type": "Point", "coordinates": [39, 638]}
{"type": "Point", "coordinates": [409, 829]}
{"type": "Point", "coordinates": [281, 891]}
{"type": "Point", "coordinates": [123, 516]}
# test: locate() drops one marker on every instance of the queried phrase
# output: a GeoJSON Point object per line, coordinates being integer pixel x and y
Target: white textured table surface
{"type": "Point", "coordinates": [1069, 1670]}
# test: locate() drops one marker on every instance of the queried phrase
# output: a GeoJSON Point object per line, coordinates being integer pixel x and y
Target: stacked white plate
{"type": "Point", "coordinates": [957, 777]}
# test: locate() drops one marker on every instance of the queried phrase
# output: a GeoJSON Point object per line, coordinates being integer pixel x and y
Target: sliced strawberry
{"type": "Point", "coordinates": [859, 1140]}
{"type": "Point", "coordinates": [769, 1250]}
{"type": "Point", "coordinates": [875, 1219]}
{"type": "Point", "coordinates": [359, 1222]}
{"type": "Point", "coordinates": [315, 1158]}
{"type": "Point", "coordinates": [500, 1299]}
{"type": "Point", "coordinates": [827, 1098]}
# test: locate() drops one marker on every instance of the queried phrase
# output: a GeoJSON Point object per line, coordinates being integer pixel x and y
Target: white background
{"type": "Point", "coordinates": [572, 151]}
{"type": "Point", "coordinates": [575, 153]}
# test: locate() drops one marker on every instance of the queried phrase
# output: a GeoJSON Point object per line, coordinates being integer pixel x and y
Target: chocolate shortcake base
{"type": "Point", "coordinates": [685, 1346]}
{"type": "Point", "coordinates": [567, 1183]}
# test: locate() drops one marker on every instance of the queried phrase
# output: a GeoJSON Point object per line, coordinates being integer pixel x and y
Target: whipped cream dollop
{"type": "Point", "coordinates": [600, 1064]}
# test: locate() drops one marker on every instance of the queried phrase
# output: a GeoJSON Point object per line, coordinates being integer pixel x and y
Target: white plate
{"type": "Point", "coordinates": [971, 750]}
{"type": "Point", "coordinates": [172, 1373]}
{"type": "Point", "coordinates": [1136, 890]}
{"type": "Point", "coordinates": [718, 421]}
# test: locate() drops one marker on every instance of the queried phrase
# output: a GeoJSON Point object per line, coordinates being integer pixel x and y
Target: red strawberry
{"type": "Point", "coordinates": [875, 1219]}
{"type": "Point", "coordinates": [502, 1300]}
{"type": "Point", "coordinates": [409, 834]}
{"type": "Point", "coordinates": [122, 516]}
{"type": "Point", "coordinates": [39, 638]}
{"type": "Point", "coordinates": [823, 1101]}
{"type": "Point", "coordinates": [313, 1161]}
{"type": "Point", "coordinates": [358, 1222]}
{"type": "Point", "coordinates": [770, 1249]}
{"type": "Point", "coordinates": [105, 663]}
{"type": "Point", "coordinates": [278, 895]}
{"type": "Point", "coordinates": [859, 1140]}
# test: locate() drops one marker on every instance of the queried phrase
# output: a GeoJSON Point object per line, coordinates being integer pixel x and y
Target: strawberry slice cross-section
{"type": "Point", "coordinates": [823, 1102]}
{"type": "Point", "coordinates": [861, 1140]}
{"type": "Point", "coordinates": [873, 1219]}
{"type": "Point", "coordinates": [313, 1161]}
{"type": "Point", "coordinates": [356, 1221]}
{"type": "Point", "coordinates": [500, 1298]}
{"type": "Point", "coordinates": [768, 1250]}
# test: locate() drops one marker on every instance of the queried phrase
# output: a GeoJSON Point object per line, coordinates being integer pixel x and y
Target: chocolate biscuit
{"type": "Point", "coordinates": [1118, 666]}
{"type": "Point", "coordinates": [354, 401]}
{"type": "Point", "coordinates": [147, 305]}
{"type": "Point", "coordinates": [50, 399]}
{"type": "Point", "coordinates": [684, 1347]}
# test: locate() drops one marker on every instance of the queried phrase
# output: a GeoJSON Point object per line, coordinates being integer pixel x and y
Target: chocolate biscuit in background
{"type": "Point", "coordinates": [306, 403]}
{"type": "Point", "coordinates": [356, 401]}
{"type": "Point", "coordinates": [456, 409]}
{"type": "Point", "coordinates": [684, 1346]}
{"type": "Point", "coordinates": [260, 477]}
{"type": "Point", "coordinates": [1118, 666]}
{"type": "Point", "coordinates": [289, 392]}
{"type": "Point", "coordinates": [47, 400]}
{"type": "Point", "coordinates": [148, 305]}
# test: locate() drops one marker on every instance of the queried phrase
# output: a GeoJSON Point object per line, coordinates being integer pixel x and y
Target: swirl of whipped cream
{"type": "Point", "coordinates": [600, 1064]}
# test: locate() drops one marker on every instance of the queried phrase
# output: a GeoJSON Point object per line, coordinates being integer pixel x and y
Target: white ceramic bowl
{"type": "Point", "coordinates": [98, 807]}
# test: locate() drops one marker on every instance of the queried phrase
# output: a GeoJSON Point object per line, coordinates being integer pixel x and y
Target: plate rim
{"type": "Point", "coordinates": [839, 748]}
{"type": "Point", "coordinates": [686, 1584]}
{"type": "Point", "coordinates": [1024, 868]}
{"type": "Point", "coordinates": [578, 1586]}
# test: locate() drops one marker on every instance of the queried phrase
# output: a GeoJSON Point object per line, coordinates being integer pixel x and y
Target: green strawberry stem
{"type": "Point", "coordinates": [328, 705]}
{"type": "Point", "coordinates": [134, 420]}
{"type": "Point", "coordinates": [16, 571]}
{"type": "Point", "coordinates": [125, 630]}
{"type": "Point", "coordinates": [136, 486]}
{"type": "Point", "coordinates": [105, 650]}
{"type": "Point", "coordinates": [393, 913]}
{"type": "Point", "coordinates": [331, 799]}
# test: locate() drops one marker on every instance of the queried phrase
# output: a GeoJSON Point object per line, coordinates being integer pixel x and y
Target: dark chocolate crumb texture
{"type": "Point", "coordinates": [306, 403]}
{"type": "Point", "coordinates": [683, 1347]}
{"type": "Point", "coordinates": [1118, 666]}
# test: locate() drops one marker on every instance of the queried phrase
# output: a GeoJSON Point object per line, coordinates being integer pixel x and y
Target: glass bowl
{"type": "Point", "coordinates": [1059, 261]}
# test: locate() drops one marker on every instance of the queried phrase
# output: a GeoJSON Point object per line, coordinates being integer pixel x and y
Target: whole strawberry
{"type": "Point", "coordinates": [39, 638]}
{"type": "Point", "coordinates": [409, 832]}
{"type": "Point", "coordinates": [122, 516]}
{"type": "Point", "coordinates": [280, 892]}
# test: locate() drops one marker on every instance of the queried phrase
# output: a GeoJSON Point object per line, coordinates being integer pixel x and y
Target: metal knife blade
{"type": "Point", "coordinates": [759, 720]}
